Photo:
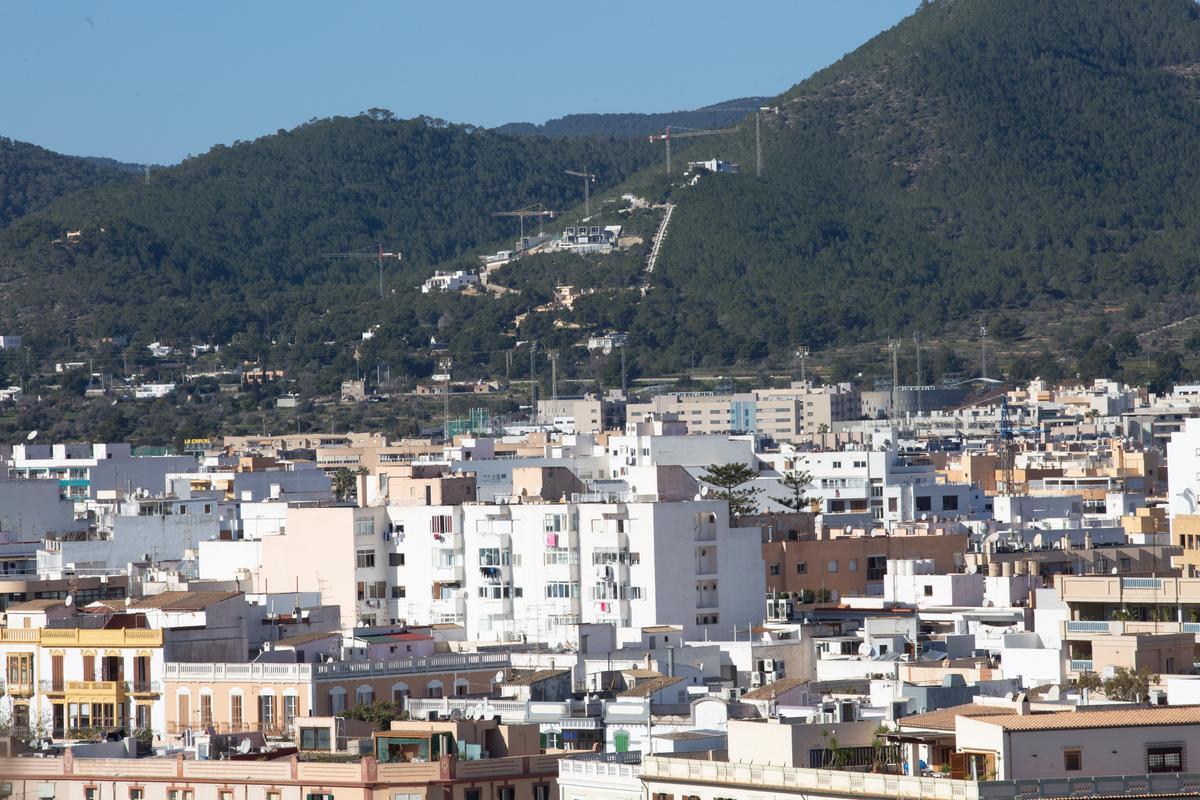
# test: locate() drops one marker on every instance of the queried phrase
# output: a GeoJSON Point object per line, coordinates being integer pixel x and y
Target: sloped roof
{"type": "Point", "coordinates": [943, 718]}
{"type": "Point", "coordinates": [773, 690]}
{"type": "Point", "coordinates": [183, 601]}
{"type": "Point", "coordinates": [650, 686]}
{"type": "Point", "coordinates": [536, 676]}
{"type": "Point", "coordinates": [1115, 718]}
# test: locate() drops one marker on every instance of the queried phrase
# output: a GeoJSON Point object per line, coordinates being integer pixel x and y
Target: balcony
{"type": "Point", "coordinates": [144, 688]}
{"type": "Point", "coordinates": [448, 662]}
{"type": "Point", "coordinates": [1081, 665]}
{"type": "Point", "coordinates": [21, 688]}
{"type": "Point", "coordinates": [448, 573]}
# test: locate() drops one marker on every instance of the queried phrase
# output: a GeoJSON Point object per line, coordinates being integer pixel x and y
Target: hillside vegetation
{"type": "Point", "coordinates": [31, 177]}
{"type": "Point", "coordinates": [981, 155]}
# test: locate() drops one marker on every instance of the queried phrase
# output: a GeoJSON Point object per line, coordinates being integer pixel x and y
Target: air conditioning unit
{"type": "Point", "coordinates": [756, 679]}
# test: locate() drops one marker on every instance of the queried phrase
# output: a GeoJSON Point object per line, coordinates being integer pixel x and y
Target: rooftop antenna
{"type": "Point", "coordinates": [802, 353]}
{"type": "Point", "coordinates": [445, 364]}
{"type": "Point", "coordinates": [146, 180]}
{"type": "Point", "coordinates": [893, 347]}
{"type": "Point", "coordinates": [532, 382]}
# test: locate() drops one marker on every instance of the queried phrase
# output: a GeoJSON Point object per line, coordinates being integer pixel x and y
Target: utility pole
{"type": "Point", "coordinates": [507, 367]}
{"type": "Point", "coordinates": [532, 382]}
{"type": "Point", "coordinates": [378, 253]}
{"type": "Point", "coordinates": [553, 356]}
{"type": "Point", "coordinates": [758, 143]}
{"type": "Point", "coordinates": [983, 351]}
{"type": "Point", "coordinates": [444, 364]}
{"type": "Point", "coordinates": [624, 385]}
{"type": "Point", "coordinates": [917, 337]}
{"type": "Point", "coordinates": [893, 346]}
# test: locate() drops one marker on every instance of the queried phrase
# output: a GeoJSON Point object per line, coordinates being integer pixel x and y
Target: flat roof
{"type": "Point", "coordinates": [183, 601]}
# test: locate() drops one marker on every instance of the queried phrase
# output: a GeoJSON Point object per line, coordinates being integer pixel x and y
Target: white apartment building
{"type": "Point", "coordinates": [84, 469]}
{"type": "Point", "coordinates": [1183, 478]}
{"type": "Point", "coordinates": [884, 485]}
{"type": "Point", "coordinates": [531, 570]}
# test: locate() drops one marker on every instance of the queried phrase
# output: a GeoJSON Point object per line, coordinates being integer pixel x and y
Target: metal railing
{"type": "Point", "coordinates": [1087, 626]}
{"type": "Point", "coordinates": [1082, 665]}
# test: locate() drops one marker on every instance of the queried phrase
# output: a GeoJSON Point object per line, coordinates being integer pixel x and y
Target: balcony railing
{"type": "Point", "coordinates": [1081, 665]}
{"type": "Point", "coordinates": [1087, 626]}
{"type": "Point", "coordinates": [1142, 583]}
{"type": "Point", "coordinates": [418, 664]}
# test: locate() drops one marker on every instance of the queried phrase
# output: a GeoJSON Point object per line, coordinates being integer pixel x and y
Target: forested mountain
{"type": "Point", "coordinates": [232, 242]}
{"type": "Point", "coordinates": [31, 177]}
{"type": "Point", "coordinates": [982, 154]}
{"type": "Point", "coordinates": [631, 126]}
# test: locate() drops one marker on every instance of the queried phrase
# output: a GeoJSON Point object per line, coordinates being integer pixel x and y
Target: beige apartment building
{"type": "Point", "coordinates": [799, 411]}
{"type": "Point", "coordinates": [422, 761]}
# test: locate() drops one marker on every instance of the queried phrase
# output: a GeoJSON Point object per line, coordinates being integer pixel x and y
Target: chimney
{"type": "Point", "coordinates": [671, 662]}
{"type": "Point", "coordinates": [360, 489]}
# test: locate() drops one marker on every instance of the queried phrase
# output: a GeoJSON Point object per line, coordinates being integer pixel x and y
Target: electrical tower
{"type": "Point", "coordinates": [1006, 449]}
{"type": "Point", "coordinates": [378, 253]}
{"type": "Point", "coordinates": [802, 357]}
{"type": "Point", "coordinates": [588, 180]}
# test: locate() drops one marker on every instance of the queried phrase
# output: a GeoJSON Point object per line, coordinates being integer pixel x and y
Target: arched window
{"type": "Point", "coordinates": [364, 695]}
{"type": "Point", "coordinates": [434, 689]}
{"type": "Point", "coordinates": [337, 700]}
{"type": "Point", "coordinates": [399, 692]}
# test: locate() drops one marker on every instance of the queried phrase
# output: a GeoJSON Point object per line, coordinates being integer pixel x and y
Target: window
{"type": "Point", "coordinates": [443, 523]}
{"type": "Point", "coordinates": [891, 504]}
{"type": "Point", "coordinates": [506, 793]}
{"type": "Point", "coordinates": [365, 559]}
{"type": "Point", "coordinates": [90, 793]}
{"type": "Point", "coordinates": [395, 559]}
{"type": "Point", "coordinates": [289, 709]}
{"type": "Point", "coordinates": [1072, 760]}
{"type": "Point", "coordinates": [206, 715]}
{"type": "Point", "coordinates": [852, 565]}
{"type": "Point", "coordinates": [562, 590]}
{"type": "Point", "coordinates": [472, 794]}
{"type": "Point", "coordinates": [137, 793]}
{"type": "Point", "coordinates": [802, 568]}
{"type": "Point", "coordinates": [832, 566]}
{"type": "Point", "coordinates": [235, 712]}
{"type": "Point", "coordinates": [266, 710]}
{"type": "Point", "coordinates": [398, 592]}
{"type": "Point", "coordinates": [924, 503]}
{"type": "Point", "coordinates": [541, 791]}
{"type": "Point", "coordinates": [1164, 758]}
{"type": "Point", "coordinates": [774, 569]}
{"type": "Point", "coordinates": [928, 590]}
{"type": "Point", "coordinates": [364, 527]}
{"type": "Point", "coordinates": [949, 502]}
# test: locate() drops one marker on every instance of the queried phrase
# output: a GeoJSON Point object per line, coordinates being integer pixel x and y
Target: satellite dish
{"type": "Point", "coordinates": [69, 601]}
{"type": "Point", "coordinates": [456, 713]}
{"type": "Point", "coordinates": [703, 491]}
{"type": "Point", "coordinates": [499, 677]}
{"type": "Point", "coordinates": [971, 569]}
{"type": "Point", "coordinates": [329, 660]}
{"type": "Point", "coordinates": [698, 497]}
{"type": "Point", "coordinates": [31, 436]}
{"type": "Point", "coordinates": [244, 746]}
{"type": "Point", "coordinates": [849, 529]}
{"type": "Point", "coordinates": [1114, 571]}
{"type": "Point", "coordinates": [128, 602]}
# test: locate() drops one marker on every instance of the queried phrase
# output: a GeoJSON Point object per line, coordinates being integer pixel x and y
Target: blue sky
{"type": "Point", "coordinates": [156, 81]}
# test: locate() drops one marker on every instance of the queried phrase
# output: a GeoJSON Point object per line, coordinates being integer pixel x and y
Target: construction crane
{"type": "Point", "coordinates": [588, 180]}
{"type": "Point", "coordinates": [378, 253]}
{"type": "Point", "coordinates": [536, 210]}
{"type": "Point", "coordinates": [670, 133]}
